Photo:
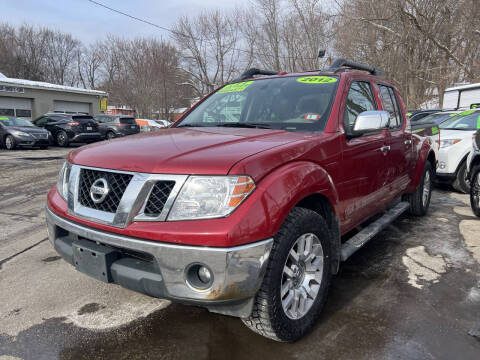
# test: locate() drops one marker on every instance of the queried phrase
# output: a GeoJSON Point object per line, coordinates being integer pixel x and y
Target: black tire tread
{"type": "Point", "coordinates": [460, 183]}
{"type": "Point", "coordinates": [260, 321]}
{"type": "Point", "coordinates": [415, 199]}
{"type": "Point", "coordinates": [66, 139]}
{"type": "Point", "coordinates": [475, 172]}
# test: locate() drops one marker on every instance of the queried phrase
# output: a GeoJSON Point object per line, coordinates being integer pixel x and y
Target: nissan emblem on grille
{"type": "Point", "coordinates": [99, 190]}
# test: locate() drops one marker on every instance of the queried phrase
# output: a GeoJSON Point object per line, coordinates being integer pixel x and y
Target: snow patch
{"type": "Point", "coordinates": [115, 316]}
{"type": "Point", "coordinates": [422, 267]}
{"type": "Point", "coordinates": [469, 231]}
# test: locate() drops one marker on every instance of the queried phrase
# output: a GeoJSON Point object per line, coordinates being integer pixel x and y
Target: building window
{"type": "Point", "coordinates": [23, 113]}
{"type": "Point", "coordinates": [7, 112]}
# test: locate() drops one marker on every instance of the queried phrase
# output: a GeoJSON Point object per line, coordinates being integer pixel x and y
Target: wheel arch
{"type": "Point", "coordinates": [425, 153]}
{"type": "Point", "coordinates": [461, 162]}
{"type": "Point", "coordinates": [474, 163]}
{"type": "Point", "coordinates": [307, 185]}
{"type": "Point", "coordinates": [320, 203]}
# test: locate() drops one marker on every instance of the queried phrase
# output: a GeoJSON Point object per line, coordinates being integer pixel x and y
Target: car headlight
{"type": "Point", "coordinates": [207, 197]}
{"type": "Point", "coordinates": [449, 142]}
{"type": "Point", "coordinates": [62, 181]}
{"type": "Point", "coordinates": [20, 133]}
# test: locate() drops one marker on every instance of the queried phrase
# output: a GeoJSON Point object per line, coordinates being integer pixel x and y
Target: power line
{"type": "Point", "coordinates": [174, 32]}
{"type": "Point", "coordinates": [138, 19]}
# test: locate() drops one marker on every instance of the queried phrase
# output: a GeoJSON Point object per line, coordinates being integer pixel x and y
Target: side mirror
{"type": "Point", "coordinates": [369, 121]}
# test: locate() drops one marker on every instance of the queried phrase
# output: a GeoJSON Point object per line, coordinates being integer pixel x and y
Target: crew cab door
{"type": "Point", "coordinates": [399, 143]}
{"type": "Point", "coordinates": [362, 192]}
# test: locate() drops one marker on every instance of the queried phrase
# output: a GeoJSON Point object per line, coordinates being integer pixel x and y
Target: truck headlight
{"type": "Point", "coordinates": [207, 197]}
{"type": "Point", "coordinates": [449, 142]}
{"type": "Point", "coordinates": [62, 181]}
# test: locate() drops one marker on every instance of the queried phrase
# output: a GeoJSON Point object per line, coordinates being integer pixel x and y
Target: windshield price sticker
{"type": "Point", "coordinates": [478, 122]}
{"type": "Point", "coordinates": [434, 130]}
{"type": "Point", "coordinates": [311, 117]}
{"type": "Point", "coordinates": [468, 112]}
{"type": "Point", "coordinates": [237, 87]}
{"type": "Point", "coordinates": [317, 80]}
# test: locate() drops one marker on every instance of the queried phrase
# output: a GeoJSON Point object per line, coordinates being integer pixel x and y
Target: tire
{"type": "Point", "coordinates": [110, 135]}
{"type": "Point", "coordinates": [271, 316]}
{"type": "Point", "coordinates": [461, 184]}
{"type": "Point", "coordinates": [475, 190]}
{"type": "Point", "coordinates": [9, 142]}
{"type": "Point", "coordinates": [420, 199]}
{"type": "Point", "coordinates": [62, 138]}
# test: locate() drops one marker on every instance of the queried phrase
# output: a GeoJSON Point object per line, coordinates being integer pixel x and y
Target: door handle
{"type": "Point", "coordinates": [385, 148]}
{"type": "Point", "coordinates": [407, 142]}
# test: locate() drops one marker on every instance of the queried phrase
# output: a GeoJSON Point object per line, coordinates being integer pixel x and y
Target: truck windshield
{"type": "Point", "coordinates": [468, 120]}
{"type": "Point", "coordinates": [300, 103]}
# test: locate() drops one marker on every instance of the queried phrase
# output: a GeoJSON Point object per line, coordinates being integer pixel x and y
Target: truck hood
{"type": "Point", "coordinates": [28, 129]}
{"type": "Point", "coordinates": [455, 134]}
{"type": "Point", "coordinates": [182, 150]}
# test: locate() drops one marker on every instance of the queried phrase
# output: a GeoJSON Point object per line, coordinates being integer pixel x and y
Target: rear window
{"type": "Point", "coordinates": [127, 120]}
{"type": "Point", "coordinates": [82, 118]}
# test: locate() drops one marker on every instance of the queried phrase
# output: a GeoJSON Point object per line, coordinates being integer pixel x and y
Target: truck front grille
{"type": "Point", "coordinates": [158, 197]}
{"type": "Point", "coordinates": [117, 184]}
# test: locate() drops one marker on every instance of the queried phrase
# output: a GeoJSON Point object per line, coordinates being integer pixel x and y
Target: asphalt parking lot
{"type": "Point", "coordinates": [411, 293]}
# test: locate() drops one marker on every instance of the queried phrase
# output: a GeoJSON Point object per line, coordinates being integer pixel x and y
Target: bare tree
{"type": "Point", "coordinates": [210, 45]}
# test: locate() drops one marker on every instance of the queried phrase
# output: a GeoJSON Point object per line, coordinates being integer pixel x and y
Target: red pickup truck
{"type": "Point", "coordinates": [249, 203]}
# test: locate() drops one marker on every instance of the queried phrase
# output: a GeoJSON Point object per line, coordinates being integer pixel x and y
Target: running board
{"type": "Point", "coordinates": [366, 234]}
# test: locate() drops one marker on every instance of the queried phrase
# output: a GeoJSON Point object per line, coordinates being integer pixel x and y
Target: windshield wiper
{"type": "Point", "coordinates": [190, 125]}
{"type": "Point", "coordinates": [245, 125]}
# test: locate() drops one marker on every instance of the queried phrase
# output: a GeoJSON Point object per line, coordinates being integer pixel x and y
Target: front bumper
{"type": "Point", "coordinates": [31, 141]}
{"type": "Point", "coordinates": [86, 137]}
{"type": "Point", "coordinates": [445, 178]}
{"type": "Point", "coordinates": [237, 271]}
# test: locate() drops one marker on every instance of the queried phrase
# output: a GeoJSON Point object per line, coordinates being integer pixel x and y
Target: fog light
{"type": "Point", "coordinates": [198, 276]}
{"type": "Point", "coordinates": [442, 165]}
{"type": "Point", "coordinates": [204, 274]}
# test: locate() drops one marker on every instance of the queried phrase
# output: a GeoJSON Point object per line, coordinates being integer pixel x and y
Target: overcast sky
{"type": "Point", "coordinates": [89, 22]}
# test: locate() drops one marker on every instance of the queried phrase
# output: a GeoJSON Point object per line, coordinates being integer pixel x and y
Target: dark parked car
{"type": "Point", "coordinates": [112, 126]}
{"type": "Point", "coordinates": [437, 118]}
{"type": "Point", "coordinates": [19, 132]}
{"type": "Point", "coordinates": [473, 173]}
{"type": "Point", "coordinates": [69, 128]}
{"type": "Point", "coordinates": [418, 115]}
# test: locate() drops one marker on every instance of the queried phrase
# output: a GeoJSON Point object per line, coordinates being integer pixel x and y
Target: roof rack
{"type": "Point", "coordinates": [341, 64]}
{"type": "Point", "coordinates": [253, 71]}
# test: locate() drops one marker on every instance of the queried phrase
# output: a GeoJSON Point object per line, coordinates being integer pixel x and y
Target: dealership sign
{"type": "Point", "coordinates": [12, 89]}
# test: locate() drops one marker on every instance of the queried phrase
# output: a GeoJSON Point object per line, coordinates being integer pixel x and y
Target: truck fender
{"type": "Point", "coordinates": [425, 153]}
{"type": "Point", "coordinates": [287, 186]}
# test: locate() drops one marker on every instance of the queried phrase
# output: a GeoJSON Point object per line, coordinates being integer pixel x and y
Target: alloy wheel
{"type": "Point", "coordinates": [9, 143]}
{"type": "Point", "coordinates": [302, 276]}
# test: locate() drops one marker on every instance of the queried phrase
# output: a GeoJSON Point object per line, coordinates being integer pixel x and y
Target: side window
{"type": "Point", "coordinates": [40, 122]}
{"type": "Point", "coordinates": [390, 104]}
{"type": "Point", "coordinates": [359, 99]}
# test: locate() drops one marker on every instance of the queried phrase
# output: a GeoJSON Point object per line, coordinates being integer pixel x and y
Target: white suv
{"type": "Point", "coordinates": [455, 145]}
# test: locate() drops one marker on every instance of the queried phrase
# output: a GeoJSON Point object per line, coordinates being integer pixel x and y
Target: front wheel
{"type": "Point", "coordinates": [420, 199]}
{"type": "Point", "coordinates": [62, 138]}
{"type": "Point", "coordinates": [461, 183]}
{"type": "Point", "coordinates": [475, 190]}
{"type": "Point", "coordinates": [10, 143]}
{"type": "Point", "coordinates": [296, 282]}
